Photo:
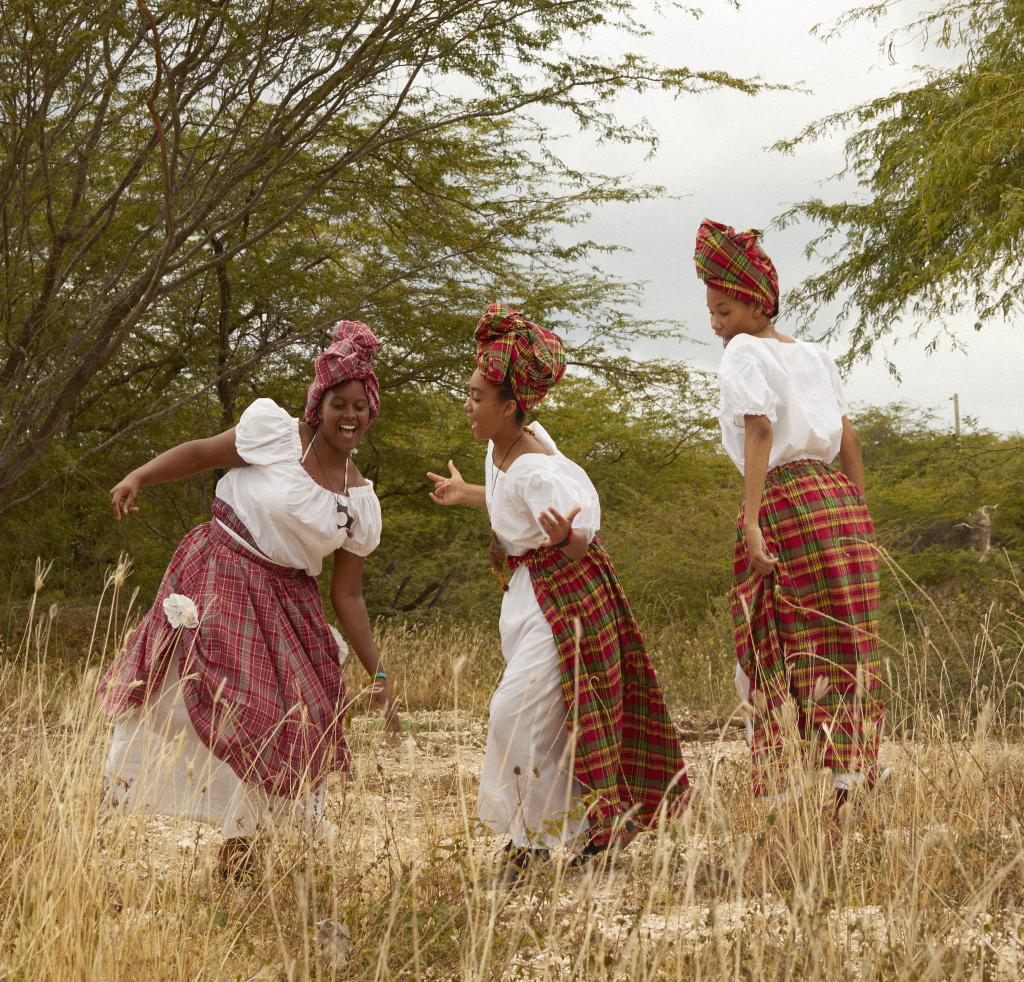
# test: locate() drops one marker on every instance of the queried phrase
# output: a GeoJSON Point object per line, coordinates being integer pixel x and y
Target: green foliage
{"type": "Point", "coordinates": [940, 223]}
{"type": "Point", "coordinates": [189, 198]}
{"type": "Point", "coordinates": [188, 203]}
{"type": "Point", "coordinates": [925, 489]}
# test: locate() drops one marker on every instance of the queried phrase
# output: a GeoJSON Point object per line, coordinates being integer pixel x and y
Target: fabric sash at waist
{"type": "Point", "coordinates": [514, 562]}
{"type": "Point", "coordinates": [225, 518]}
{"type": "Point", "coordinates": [545, 556]}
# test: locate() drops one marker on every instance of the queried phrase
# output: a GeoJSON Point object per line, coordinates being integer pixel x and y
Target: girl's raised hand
{"type": "Point", "coordinates": [449, 490]}
{"type": "Point", "coordinates": [556, 526]}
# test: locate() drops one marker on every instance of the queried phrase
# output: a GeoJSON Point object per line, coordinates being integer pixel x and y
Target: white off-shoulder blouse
{"type": "Point", "coordinates": [795, 385]}
{"type": "Point", "coordinates": [293, 520]}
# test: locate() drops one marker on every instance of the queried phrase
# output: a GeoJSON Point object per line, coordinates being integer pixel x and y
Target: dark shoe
{"type": "Point", "coordinates": [519, 860]}
{"type": "Point", "coordinates": [626, 834]}
{"type": "Point", "coordinates": [238, 858]}
{"type": "Point", "coordinates": [588, 852]}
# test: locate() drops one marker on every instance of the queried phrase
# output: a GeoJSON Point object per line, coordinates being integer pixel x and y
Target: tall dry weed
{"type": "Point", "coordinates": [926, 882]}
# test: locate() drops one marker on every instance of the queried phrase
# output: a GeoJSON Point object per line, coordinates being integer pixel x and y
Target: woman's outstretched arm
{"type": "Point", "coordinates": [181, 461]}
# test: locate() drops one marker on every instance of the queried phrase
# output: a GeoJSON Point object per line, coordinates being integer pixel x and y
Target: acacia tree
{"type": "Point", "coordinates": [940, 227]}
{"type": "Point", "coordinates": [148, 152]}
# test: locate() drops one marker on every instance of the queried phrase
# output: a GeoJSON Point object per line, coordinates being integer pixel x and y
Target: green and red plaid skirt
{"type": "Point", "coordinates": [260, 676]}
{"type": "Point", "coordinates": [628, 758]}
{"type": "Point", "coordinates": [807, 635]}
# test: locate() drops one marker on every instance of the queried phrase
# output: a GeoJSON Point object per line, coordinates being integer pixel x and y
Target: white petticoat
{"type": "Point", "coordinates": [158, 765]}
{"type": "Point", "coordinates": [527, 790]}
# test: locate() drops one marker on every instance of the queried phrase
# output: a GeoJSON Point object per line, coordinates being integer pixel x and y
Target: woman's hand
{"type": "Point", "coordinates": [380, 698]}
{"type": "Point", "coordinates": [757, 551]}
{"type": "Point", "coordinates": [380, 694]}
{"type": "Point", "coordinates": [451, 490]}
{"type": "Point", "coordinates": [392, 721]}
{"type": "Point", "coordinates": [122, 496]}
{"type": "Point", "coordinates": [556, 526]}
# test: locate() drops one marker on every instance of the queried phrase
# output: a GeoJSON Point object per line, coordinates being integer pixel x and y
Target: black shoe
{"type": "Point", "coordinates": [591, 849]}
{"type": "Point", "coordinates": [519, 860]}
{"type": "Point", "coordinates": [588, 852]}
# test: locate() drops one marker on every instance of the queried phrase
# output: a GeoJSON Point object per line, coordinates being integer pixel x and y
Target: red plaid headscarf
{"type": "Point", "coordinates": [734, 264]}
{"type": "Point", "coordinates": [350, 356]}
{"type": "Point", "coordinates": [510, 347]}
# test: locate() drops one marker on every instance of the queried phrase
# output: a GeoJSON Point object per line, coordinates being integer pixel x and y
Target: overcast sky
{"type": "Point", "coordinates": [713, 157]}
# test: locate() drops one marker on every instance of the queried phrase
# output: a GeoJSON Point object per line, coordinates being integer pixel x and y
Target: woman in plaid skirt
{"type": "Point", "coordinates": [579, 742]}
{"type": "Point", "coordinates": [229, 695]}
{"type": "Point", "coordinates": [805, 597]}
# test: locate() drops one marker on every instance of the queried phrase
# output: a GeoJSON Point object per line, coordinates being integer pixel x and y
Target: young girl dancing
{"type": "Point", "coordinates": [229, 695]}
{"type": "Point", "coordinates": [805, 597]}
{"type": "Point", "coordinates": [580, 742]}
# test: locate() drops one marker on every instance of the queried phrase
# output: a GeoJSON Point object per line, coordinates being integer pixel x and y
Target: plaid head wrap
{"type": "Point", "coordinates": [734, 264]}
{"type": "Point", "coordinates": [350, 356]}
{"type": "Point", "coordinates": [510, 347]}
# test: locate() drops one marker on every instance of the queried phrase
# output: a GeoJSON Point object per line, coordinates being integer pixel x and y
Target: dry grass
{"type": "Point", "coordinates": [926, 883]}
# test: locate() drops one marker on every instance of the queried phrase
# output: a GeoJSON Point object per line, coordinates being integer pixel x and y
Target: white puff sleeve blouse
{"type": "Point", "coordinates": [795, 385]}
{"type": "Point", "coordinates": [293, 520]}
{"type": "Point", "coordinates": [533, 483]}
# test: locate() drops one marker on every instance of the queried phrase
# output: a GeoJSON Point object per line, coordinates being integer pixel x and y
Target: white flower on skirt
{"type": "Point", "coordinates": [181, 611]}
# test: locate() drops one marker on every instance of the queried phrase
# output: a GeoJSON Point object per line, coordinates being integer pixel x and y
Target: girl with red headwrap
{"type": "Point", "coordinates": [229, 695]}
{"type": "Point", "coordinates": [805, 597]}
{"type": "Point", "coordinates": [580, 746]}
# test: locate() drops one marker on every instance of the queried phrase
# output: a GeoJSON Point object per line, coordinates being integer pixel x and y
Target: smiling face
{"type": "Point", "coordinates": [344, 415]}
{"type": "Point", "coordinates": [730, 317]}
{"type": "Point", "coordinates": [487, 411]}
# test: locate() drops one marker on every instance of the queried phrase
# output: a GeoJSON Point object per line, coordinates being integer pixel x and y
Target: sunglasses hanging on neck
{"type": "Point", "coordinates": [343, 509]}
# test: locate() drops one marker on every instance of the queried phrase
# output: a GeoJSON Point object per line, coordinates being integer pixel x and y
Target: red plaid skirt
{"type": "Point", "coordinates": [807, 635]}
{"type": "Point", "coordinates": [628, 758]}
{"type": "Point", "coordinates": [260, 675]}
